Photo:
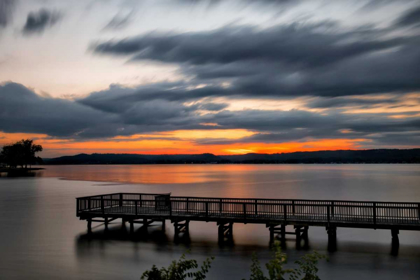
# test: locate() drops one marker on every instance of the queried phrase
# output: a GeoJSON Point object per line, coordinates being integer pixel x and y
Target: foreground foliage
{"type": "Point", "coordinates": [179, 270]}
{"type": "Point", "coordinates": [307, 267]}
{"type": "Point", "coordinates": [182, 269]}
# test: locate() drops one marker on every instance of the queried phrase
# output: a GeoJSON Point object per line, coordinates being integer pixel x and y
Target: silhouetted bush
{"type": "Point", "coordinates": [307, 267]}
{"type": "Point", "coordinates": [181, 269]}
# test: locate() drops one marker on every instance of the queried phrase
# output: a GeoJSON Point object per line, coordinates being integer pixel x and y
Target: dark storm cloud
{"type": "Point", "coordinates": [375, 4]}
{"type": "Point", "coordinates": [295, 125]}
{"type": "Point", "coordinates": [211, 3]}
{"type": "Point", "coordinates": [159, 107]}
{"type": "Point", "coordinates": [24, 111]}
{"type": "Point", "coordinates": [37, 22]}
{"type": "Point", "coordinates": [315, 124]}
{"type": "Point", "coordinates": [282, 4]}
{"type": "Point", "coordinates": [117, 99]}
{"type": "Point", "coordinates": [293, 60]}
{"type": "Point", "coordinates": [122, 112]}
{"type": "Point", "coordinates": [271, 120]}
{"type": "Point", "coordinates": [213, 106]}
{"type": "Point", "coordinates": [407, 139]}
{"type": "Point", "coordinates": [156, 105]}
{"type": "Point", "coordinates": [410, 18]}
{"type": "Point", "coordinates": [207, 3]}
{"type": "Point", "coordinates": [297, 45]}
{"type": "Point", "coordinates": [338, 102]}
{"type": "Point", "coordinates": [6, 10]}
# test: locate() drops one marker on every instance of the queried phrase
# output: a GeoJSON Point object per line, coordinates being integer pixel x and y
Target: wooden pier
{"type": "Point", "coordinates": [276, 214]}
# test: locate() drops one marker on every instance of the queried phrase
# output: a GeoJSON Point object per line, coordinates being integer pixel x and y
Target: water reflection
{"type": "Point", "coordinates": [145, 174]}
{"type": "Point", "coordinates": [352, 258]}
{"type": "Point", "coordinates": [121, 233]}
{"type": "Point", "coordinates": [41, 237]}
{"type": "Point", "coordinates": [21, 173]}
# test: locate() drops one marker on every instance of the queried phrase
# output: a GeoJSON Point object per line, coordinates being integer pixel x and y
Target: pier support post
{"type": "Point", "coordinates": [277, 229]}
{"type": "Point", "coordinates": [163, 225]}
{"type": "Point", "coordinates": [131, 227]}
{"type": "Point", "coordinates": [283, 233]}
{"type": "Point", "coordinates": [298, 237]}
{"type": "Point", "coordinates": [89, 225]}
{"type": "Point", "coordinates": [182, 227]}
{"type": "Point", "coordinates": [305, 233]}
{"type": "Point", "coordinates": [395, 242]}
{"type": "Point", "coordinates": [225, 231]}
{"type": "Point", "coordinates": [301, 232]}
{"type": "Point", "coordinates": [106, 224]}
{"type": "Point", "coordinates": [271, 234]}
{"type": "Point", "coordinates": [332, 238]}
{"type": "Point", "coordinates": [394, 233]}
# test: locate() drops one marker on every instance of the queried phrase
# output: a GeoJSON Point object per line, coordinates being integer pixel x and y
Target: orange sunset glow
{"type": "Point", "coordinates": [133, 145]}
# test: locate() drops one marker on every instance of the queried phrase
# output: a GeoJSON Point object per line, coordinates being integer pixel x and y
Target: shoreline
{"type": "Point", "coordinates": [20, 169]}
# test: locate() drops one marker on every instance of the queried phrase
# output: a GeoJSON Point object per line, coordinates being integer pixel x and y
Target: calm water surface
{"type": "Point", "coordinates": [41, 238]}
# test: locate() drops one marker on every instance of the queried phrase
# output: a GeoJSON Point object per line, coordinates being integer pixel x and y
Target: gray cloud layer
{"type": "Point", "coordinates": [302, 46]}
{"type": "Point", "coordinates": [119, 21]}
{"type": "Point", "coordinates": [24, 111]}
{"type": "Point", "coordinates": [411, 18]}
{"type": "Point", "coordinates": [293, 60]}
{"type": "Point", "coordinates": [122, 111]}
{"type": "Point", "coordinates": [6, 9]}
{"type": "Point", "coordinates": [37, 22]}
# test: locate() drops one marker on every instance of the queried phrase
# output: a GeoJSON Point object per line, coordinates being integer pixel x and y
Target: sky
{"type": "Point", "coordinates": [201, 76]}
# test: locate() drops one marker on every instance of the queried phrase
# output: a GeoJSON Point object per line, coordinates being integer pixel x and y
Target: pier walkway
{"type": "Point", "coordinates": [276, 214]}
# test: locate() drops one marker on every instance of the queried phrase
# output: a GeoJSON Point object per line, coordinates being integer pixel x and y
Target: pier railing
{"type": "Point", "coordinates": [247, 209]}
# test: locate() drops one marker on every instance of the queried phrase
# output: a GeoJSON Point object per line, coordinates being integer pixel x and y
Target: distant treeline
{"type": "Point", "coordinates": [345, 156]}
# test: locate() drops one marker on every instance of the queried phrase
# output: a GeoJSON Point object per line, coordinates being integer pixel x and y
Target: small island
{"type": "Point", "coordinates": [17, 159]}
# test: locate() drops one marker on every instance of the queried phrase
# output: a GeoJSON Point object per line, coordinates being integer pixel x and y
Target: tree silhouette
{"type": "Point", "coordinates": [21, 153]}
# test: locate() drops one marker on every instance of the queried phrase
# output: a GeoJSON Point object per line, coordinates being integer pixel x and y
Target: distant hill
{"type": "Point", "coordinates": [345, 156]}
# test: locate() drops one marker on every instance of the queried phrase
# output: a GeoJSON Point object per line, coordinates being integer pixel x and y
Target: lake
{"type": "Point", "coordinates": [41, 238]}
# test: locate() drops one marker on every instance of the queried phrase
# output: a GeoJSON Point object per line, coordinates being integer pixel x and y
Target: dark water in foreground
{"type": "Point", "coordinates": [40, 237]}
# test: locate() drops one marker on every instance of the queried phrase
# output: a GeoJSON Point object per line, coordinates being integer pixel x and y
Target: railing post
{"type": "Point", "coordinates": [374, 213]}
{"type": "Point", "coordinates": [135, 206]}
{"type": "Point", "coordinates": [256, 207]}
{"type": "Point", "coordinates": [244, 208]}
{"type": "Point", "coordinates": [328, 214]}
{"type": "Point", "coordinates": [77, 206]}
{"type": "Point", "coordinates": [207, 209]}
{"type": "Point", "coordinates": [187, 204]}
{"type": "Point", "coordinates": [418, 210]}
{"type": "Point", "coordinates": [170, 208]}
{"type": "Point", "coordinates": [220, 205]}
{"type": "Point", "coordinates": [102, 204]}
{"type": "Point", "coordinates": [89, 204]}
{"type": "Point", "coordinates": [293, 207]}
{"type": "Point", "coordinates": [121, 200]}
{"type": "Point", "coordinates": [285, 212]}
{"type": "Point", "coordinates": [332, 209]}
{"type": "Point", "coordinates": [141, 202]}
